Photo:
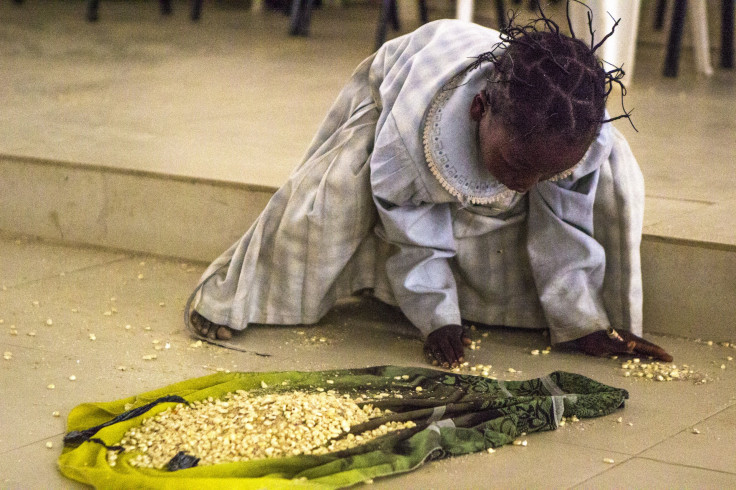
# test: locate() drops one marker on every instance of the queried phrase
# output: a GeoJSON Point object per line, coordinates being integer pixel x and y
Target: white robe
{"type": "Point", "coordinates": [363, 210]}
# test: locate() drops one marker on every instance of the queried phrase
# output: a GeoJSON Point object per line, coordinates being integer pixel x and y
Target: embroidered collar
{"type": "Point", "coordinates": [451, 146]}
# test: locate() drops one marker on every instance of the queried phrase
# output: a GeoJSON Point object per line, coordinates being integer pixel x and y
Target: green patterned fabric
{"type": "Point", "coordinates": [455, 414]}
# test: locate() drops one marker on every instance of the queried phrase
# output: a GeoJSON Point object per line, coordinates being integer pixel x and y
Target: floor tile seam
{"type": "Point", "coordinates": [23, 446]}
{"type": "Point", "coordinates": [577, 485]}
{"type": "Point", "coordinates": [688, 427]}
{"type": "Point", "coordinates": [730, 404]}
{"type": "Point", "coordinates": [650, 458]}
{"type": "Point", "coordinates": [680, 199]}
{"type": "Point", "coordinates": [599, 473]}
{"type": "Point", "coordinates": [67, 273]}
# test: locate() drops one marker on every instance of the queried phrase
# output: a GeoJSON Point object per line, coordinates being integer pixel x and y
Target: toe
{"type": "Point", "coordinates": [224, 333]}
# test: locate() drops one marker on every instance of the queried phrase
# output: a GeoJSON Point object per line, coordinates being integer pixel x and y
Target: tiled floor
{"type": "Point", "coordinates": [235, 99]}
{"type": "Point", "coordinates": [86, 291]}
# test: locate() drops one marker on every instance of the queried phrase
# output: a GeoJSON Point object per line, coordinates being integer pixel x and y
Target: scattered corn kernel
{"type": "Point", "coordinates": [49, 444]}
{"type": "Point", "coordinates": [51, 387]}
{"type": "Point", "coordinates": [535, 352]}
{"type": "Point", "coordinates": [55, 413]}
{"type": "Point", "coordinates": [695, 431]}
{"type": "Point", "coordinates": [49, 322]}
{"type": "Point", "coordinates": [92, 336]}
{"type": "Point", "coordinates": [608, 460]}
{"type": "Point", "coordinates": [72, 378]}
{"type": "Point", "coordinates": [490, 450]}
{"type": "Point", "coordinates": [520, 442]}
{"type": "Point", "coordinates": [149, 357]}
{"type": "Point", "coordinates": [418, 388]}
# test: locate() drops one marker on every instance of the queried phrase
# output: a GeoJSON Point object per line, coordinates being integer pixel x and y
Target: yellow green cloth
{"type": "Point", "coordinates": [455, 414]}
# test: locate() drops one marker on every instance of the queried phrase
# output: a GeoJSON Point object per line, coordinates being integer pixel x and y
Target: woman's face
{"type": "Point", "coordinates": [518, 163]}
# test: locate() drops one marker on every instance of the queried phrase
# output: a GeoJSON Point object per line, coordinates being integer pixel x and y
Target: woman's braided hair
{"type": "Point", "coordinates": [548, 84]}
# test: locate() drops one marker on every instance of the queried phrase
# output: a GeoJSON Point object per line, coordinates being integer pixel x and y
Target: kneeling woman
{"type": "Point", "coordinates": [494, 192]}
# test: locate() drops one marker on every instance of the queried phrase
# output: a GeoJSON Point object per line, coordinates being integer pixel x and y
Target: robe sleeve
{"type": "Point", "coordinates": [421, 231]}
{"type": "Point", "coordinates": [568, 264]}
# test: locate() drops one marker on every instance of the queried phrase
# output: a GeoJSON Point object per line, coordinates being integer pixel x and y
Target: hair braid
{"type": "Point", "coordinates": [547, 84]}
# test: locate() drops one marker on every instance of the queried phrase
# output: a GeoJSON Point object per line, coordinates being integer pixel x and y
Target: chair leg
{"type": "Point", "coordinates": [196, 12]}
{"type": "Point", "coordinates": [659, 14]}
{"type": "Point", "coordinates": [672, 61]}
{"type": "Point", "coordinates": [727, 21]}
{"type": "Point", "coordinates": [394, 15]}
{"type": "Point", "coordinates": [501, 13]}
{"type": "Point", "coordinates": [93, 7]}
{"type": "Point", "coordinates": [423, 13]}
{"type": "Point", "coordinates": [165, 7]}
{"type": "Point", "coordinates": [383, 15]}
{"type": "Point", "coordinates": [301, 12]}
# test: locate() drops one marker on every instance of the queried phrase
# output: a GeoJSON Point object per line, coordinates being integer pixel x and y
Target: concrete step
{"type": "Point", "coordinates": [689, 283]}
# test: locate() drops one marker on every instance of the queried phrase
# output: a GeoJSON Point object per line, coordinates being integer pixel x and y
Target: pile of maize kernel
{"type": "Point", "coordinates": [658, 371]}
{"type": "Point", "coordinates": [243, 426]}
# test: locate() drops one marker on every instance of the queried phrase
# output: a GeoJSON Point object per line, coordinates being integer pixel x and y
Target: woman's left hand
{"type": "Point", "coordinates": [603, 343]}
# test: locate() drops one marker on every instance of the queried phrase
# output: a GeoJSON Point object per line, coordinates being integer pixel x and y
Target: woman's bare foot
{"type": "Point", "coordinates": [206, 328]}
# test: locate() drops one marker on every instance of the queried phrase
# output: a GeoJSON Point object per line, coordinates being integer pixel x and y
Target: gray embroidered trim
{"type": "Point", "coordinates": [558, 409]}
{"type": "Point", "coordinates": [466, 188]}
{"type": "Point", "coordinates": [504, 390]}
{"type": "Point", "coordinates": [437, 413]}
{"type": "Point", "coordinates": [551, 386]}
{"type": "Point", "coordinates": [453, 179]}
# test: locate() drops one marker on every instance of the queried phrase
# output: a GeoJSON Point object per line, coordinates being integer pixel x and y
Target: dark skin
{"type": "Point", "coordinates": [519, 165]}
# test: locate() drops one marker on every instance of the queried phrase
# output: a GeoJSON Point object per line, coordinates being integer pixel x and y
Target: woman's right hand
{"type": "Point", "coordinates": [446, 346]}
